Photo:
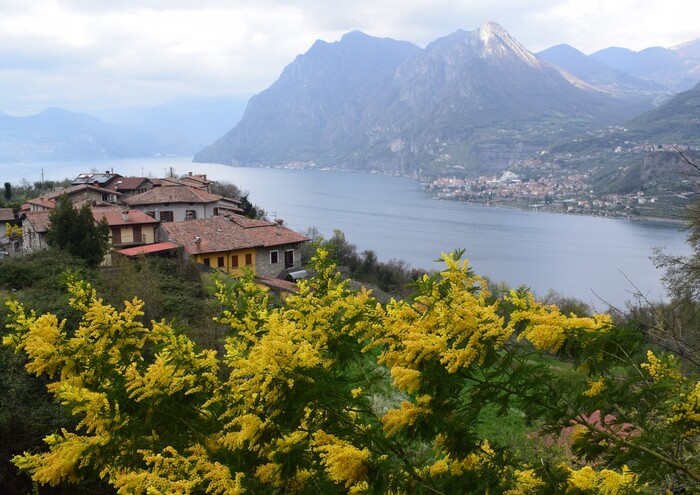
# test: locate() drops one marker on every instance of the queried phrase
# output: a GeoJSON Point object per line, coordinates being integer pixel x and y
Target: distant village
{"type": "Point", "coordinates": [559, 189]}
{"type": "Point", "coordinates": [166, 217]}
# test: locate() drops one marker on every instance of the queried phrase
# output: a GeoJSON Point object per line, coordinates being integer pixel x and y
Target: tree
{"type": "Point", "coordinates": [8, 191]}
{"type": "Point", "coordinates": [331, 392]}
{"type": "Point", "coordinates": [76, 231]}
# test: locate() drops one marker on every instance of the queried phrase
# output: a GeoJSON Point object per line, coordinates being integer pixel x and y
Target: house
{"type": "Point", "coordinates": [180, 203]}
{"type": "Point", "coordinates": [130, 186]}
{"type": "Point", "coordinates": [127, 228]}
{"type": "Point", "coordinates": [35, 224]}
{"type": "Point", "coordinates": [78, 194]}
{"type": "Point", "coordinates": [231, 243]}
{"type": "Point", "coordinates": [97, 179]}
{"type": "Point", "coordinates": [9, 245]}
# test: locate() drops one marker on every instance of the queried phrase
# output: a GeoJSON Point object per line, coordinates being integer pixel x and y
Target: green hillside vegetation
{"type": "Point", "coordinates": [453, 389]}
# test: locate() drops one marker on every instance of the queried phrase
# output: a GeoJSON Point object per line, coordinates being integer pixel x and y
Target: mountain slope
{"type": "Point", "coordinates": [602, 76]}
{"type": "Point", "coordinates": [57, 134]}
{"type": "Point", "coordinates": [316, 99]}
{"type": "Point", "coordinates": [471, 101]}
{"type": "Point", "coordinates": [678, 68]}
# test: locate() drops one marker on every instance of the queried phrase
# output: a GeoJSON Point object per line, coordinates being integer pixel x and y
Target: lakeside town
{"type": "Point", "coordinates": [551, 183]}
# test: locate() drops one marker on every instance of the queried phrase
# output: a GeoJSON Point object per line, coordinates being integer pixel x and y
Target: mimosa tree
{"type": "Point", "coordinates": [332, 392]}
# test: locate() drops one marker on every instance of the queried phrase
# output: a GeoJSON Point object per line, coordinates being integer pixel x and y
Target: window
{"type": "Point", "coordinates": [289, 258]}
{"type": "Point", "coordinates": [166, 216]}
{"type": "Point", "coordinates": [248, 259]}
{"type": "Point", "coordinates": [190, 214]}
{"type": "Point", "coordinates": [207, 262]}
{"type": "Point", "coordinates": [274, 257]}
{"type": "Point", "coordinates": [220, 262]}
{"type": "Point", "coordinates": [234, 261]}
{"type": "Point", "coordinates": [151, 214]}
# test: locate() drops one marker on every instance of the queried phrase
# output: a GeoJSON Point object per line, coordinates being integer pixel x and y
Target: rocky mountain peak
{"type": "Point", "coordinates": [495, 41]}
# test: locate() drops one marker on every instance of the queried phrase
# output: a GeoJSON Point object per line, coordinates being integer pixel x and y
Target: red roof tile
{"type": "Point", "coordinates": [148, 248]}
{"type": "Point", "coordinates": [217, 234]}
{"type": "Point", "coordinates": [116, 217]}
{"type": "Point", "coordinates": [38, 219]}
{"type": "Point", "coordinates": [6, 215]}
{"type": "Point", "coordinates": [176, 194]}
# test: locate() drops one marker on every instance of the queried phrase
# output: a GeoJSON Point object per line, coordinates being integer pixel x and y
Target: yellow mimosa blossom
{"type": "Point", "coordinates": [526, 482]}
{"type": "Point", "coordinates": [343, 462]}
{"type": "Point", "coordinates": [584, 479]}
{"type": "Point", "coordinates": [406, 379]}
{"type": "Point", "coordinates": [659, 369]}
{"type": "Point", "coordinates": [613, 483]}
{"type": "Point", "coordinates": [406, 415]}
{"type": "Point", "coordinates": [688, 410]}
{"type": "Point", "coordinates": [595, 387]}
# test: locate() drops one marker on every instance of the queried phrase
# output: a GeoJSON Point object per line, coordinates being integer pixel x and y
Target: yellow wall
{"type": "Point", "coordinates": [228, 268]}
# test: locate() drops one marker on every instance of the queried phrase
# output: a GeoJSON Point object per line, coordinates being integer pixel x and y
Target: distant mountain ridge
{"type": "Point", "coordinates": [474, 100]}
{"type": "Point", "coordinates": [57, 134]}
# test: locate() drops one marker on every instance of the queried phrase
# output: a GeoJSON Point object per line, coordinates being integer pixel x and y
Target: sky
{"type": "Point", "coordinates": [85, 55]}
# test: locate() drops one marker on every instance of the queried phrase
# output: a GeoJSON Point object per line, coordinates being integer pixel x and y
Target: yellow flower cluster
{"type": "Point", "coordinates": [605, 482]}
{"type": "Point", "coordinates": [595, 387]}
{"type": "Point", "coordinates": [452, 323]}
{"type": "Point", "coordinates": [688, 410]}
{"type": "Point", "coordinates": [526, 481]}
{"type": "Point", "coordinates": [406, 415]}
{"type": "Point", "coordinates": [545, 326]}
{"type": "Point", "coordinates": [13, 230]}
{"type": "Point", "coordinates": [658, 369]}
{"type": "Point", "coordinates": [344, 462]}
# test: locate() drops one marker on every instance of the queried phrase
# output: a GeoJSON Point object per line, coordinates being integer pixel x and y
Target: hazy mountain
{"type": "Point", "coordinates": [677, 68]}
{"type": "Point", "coordinates": [192, 121]}
{"type": "Point", "coordinates": [316, 102]}
{"type": "Point", "coordinates": [57, 134]}
{"type": "Point", "coordinates": [472, 100]}
{"type": "Point", "coordinates": [602, 76]}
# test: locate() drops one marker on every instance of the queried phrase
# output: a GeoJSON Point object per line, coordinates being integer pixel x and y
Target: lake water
{"type": "Point", "coordinates": [595, 259]}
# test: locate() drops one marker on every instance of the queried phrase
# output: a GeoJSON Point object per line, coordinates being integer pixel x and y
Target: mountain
{"type": "Point", "coordinates": [642, 154]}
{"type": "Point", "coordinates": [471, 101]}
{"type": "Point", "coordinates": [677, 68]}
{"type": "Point", "coordinates": [677, 121]}
{"type": "Point", "coordinates": [194, 121]}
{"type": "Point", "coordinates": [315, 103]}
{"type": "Point", "coordinates": [57, 134]}
{"type": "Point", "coordinates": [602, 76]}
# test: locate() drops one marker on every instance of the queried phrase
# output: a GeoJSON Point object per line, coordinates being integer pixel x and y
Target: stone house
{"type": "Point", "coordinates": [232, 243]}
{"type": "Point", "coordinates": [180, 203]}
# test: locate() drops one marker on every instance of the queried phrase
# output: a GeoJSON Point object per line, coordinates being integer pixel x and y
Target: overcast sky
{"type": "Point", "coordinates": [90, 54]}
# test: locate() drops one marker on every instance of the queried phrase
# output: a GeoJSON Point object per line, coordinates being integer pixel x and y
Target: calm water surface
{"type": "Point", "coordinates": [595, 259]}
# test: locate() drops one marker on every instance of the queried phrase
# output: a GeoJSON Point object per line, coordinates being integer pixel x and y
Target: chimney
{"type": "Point", "coordinates": [279, 222]}
{"type": "Point", "coordinates": [125, 215]}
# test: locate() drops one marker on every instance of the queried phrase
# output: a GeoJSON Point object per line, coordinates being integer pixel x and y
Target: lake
{"type": "Point", "coordinates": [598, 260]}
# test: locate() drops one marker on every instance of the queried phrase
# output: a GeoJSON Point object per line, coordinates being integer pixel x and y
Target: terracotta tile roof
{"type": "Point", "coordinates": [6, 215]}
{"type": "Point", "coordinates": [127, 183]}
{"type": "Point", "coordinates": [45, 203]}
{"type": "Point", "coordinates": [115, 217]}
{"type": "Point", "coordinates": [178, 194]}
{"type": "Point", "coordinates": [38, 219]}
{"type": "Point", "coordinates": [217, 234]}
{"type": "Point", "coordinates": [148, 248]}
{"type": "Point", "coordinates": [49, 200]}
{"type": "Point", "coordinates": [277, 285]}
